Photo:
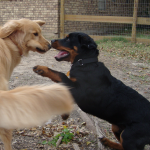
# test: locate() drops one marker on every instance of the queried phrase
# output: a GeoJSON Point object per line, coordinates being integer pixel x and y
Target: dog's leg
{"type": "Point", "coordinates": [3, 83]}
{"type": "Point", "coordinates": [111, 144]}
{"type": "Point", "coordinates": [46, 72]}
{"type": "Point", "coordinates": [133, 137]}
{"type": "Point", "coordinates": [56, 77]}
{"type": "Point", "coordinates": [117, 131]}
{"type": "Point", "coordinates": [136, 136]}
{"type": "Point", "coordinates": [6, 136]}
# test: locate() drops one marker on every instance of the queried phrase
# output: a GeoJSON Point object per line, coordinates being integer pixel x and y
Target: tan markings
{"type": "Point", "coordinates": [72, 52]}
{"type": "Point", "coordinates": [121, 139]}
{"type": "Point", "coordinates": [67, 35]}
{"type": "Point", "coordinates": [73, 79]}
{"type": "Point", "coordinates": [46, 72]}
{"type": "Point", "coordinates": [43, 68]}
{"type": "Point", "coordinates": [111, 144]}
{"type": "Point", "coordinates": [115, 130]}
{"type": "Point", "coordinates": [75, 48]}
{"type": "Point", "coordinates": [53, 76]}
{"type": "Point", "coordinates": [68, 74]}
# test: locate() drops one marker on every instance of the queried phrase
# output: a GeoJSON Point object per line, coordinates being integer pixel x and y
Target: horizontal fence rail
{"type": "Point", "coordinates": [107, 19]}
{"type": "Point", "coordinates": [134, 21]}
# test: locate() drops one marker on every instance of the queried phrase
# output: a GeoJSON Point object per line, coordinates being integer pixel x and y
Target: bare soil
{"type": "Point", "coordinates": [133, 73]}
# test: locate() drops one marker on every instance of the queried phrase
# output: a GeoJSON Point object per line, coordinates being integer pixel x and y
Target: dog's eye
{"type": "Point", "coordinates": [36, 34]}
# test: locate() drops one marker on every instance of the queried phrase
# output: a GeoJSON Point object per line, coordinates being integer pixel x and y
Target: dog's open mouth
{"type": "Point", "coordinates": [40, 50]}
{"type": "Point", "coordinates": [62, 54]}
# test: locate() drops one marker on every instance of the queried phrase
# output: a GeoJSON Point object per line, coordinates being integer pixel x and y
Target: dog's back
{"type": "Point", "coordinates": [104, 93]}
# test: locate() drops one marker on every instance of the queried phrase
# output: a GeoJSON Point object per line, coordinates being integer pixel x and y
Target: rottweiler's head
{"type": "Point", "coordinates": [75, 46]}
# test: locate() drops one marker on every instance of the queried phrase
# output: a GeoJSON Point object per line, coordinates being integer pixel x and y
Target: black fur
{"type": "Point", "coordinates": [98, 93]}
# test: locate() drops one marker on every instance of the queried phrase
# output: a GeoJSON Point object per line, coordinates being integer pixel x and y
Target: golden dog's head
{"type": "Point", "coordinates": [27, 34]}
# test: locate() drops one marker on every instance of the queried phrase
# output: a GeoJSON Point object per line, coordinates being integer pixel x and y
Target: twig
{"type": "Point", "coordinates": [89, 123]}
{"type": "Point", "coordinates": [99, 135]}
{"type": "Point", "coordinates": [99, 132]}
{"type": "Point", "coordinates": [75, 146]}
{"type": "Point", "coordinates": [59, 141]}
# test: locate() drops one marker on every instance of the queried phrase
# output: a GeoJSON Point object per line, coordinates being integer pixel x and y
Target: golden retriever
{"type": "Point", "coordinates": [17, 38]}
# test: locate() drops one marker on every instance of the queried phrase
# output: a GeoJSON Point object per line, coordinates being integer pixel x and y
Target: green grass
{"type": "Point", "coordinates": [140, 33]}
{"type": "Point", "coordinates": [119, 38]}
{"type": "Point", "coordinates": [66, 135]}
{"type": "Point", "coordinates": [143, 36]}
{"type": "Point", "coordinates": [119, 46]}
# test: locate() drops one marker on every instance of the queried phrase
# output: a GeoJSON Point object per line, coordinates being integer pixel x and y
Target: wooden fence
{"type": "Point", "coordinates": [107, 19]}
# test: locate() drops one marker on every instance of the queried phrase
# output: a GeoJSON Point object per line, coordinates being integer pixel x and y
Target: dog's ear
{"type": "Point", "coordinates": [40, 22]}
{"type": "Point", "coordinates": [8, 28]}
{"type": "Point", "coordinates": [86, 42]}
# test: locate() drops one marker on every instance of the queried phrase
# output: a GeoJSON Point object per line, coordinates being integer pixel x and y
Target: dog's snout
{"type": "Point", "coordinates": [49, 46]}
{"type": "Point", "coordinates": [52, 41]}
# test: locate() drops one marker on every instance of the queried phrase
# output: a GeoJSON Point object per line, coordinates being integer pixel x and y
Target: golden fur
{"type": "Point", "coordinates": [28, 106]}
{"type": "Point", "coordinates": [17, 38]}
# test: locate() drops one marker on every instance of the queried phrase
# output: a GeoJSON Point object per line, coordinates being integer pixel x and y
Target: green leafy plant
{"type": "Point", "coordinates": [44, 142]}
{"type": "Point", "coordinates": [54, 141]}
{"type": "Point", "coordinates": [66, 135]}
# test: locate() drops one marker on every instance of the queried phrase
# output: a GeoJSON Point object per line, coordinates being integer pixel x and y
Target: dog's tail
{"type": "Point", "coordinates": [29, 106]}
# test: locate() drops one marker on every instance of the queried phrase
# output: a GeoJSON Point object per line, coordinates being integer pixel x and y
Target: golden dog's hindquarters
{"type": "Point", "coordinates": [29, 106]}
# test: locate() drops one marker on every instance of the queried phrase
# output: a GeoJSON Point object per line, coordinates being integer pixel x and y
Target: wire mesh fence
{"type": "Point", "coordinates": [105, 8]}
{"type": "Point", "coordinates": [143, 31]}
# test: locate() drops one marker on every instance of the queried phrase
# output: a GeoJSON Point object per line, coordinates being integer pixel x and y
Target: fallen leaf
{"type": "Point", "coordinates": [88, 142]}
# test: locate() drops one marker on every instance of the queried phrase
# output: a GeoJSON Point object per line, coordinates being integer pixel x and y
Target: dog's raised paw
{"type": "Point", "coordinates": [40, 70]}
{"type": "Point", "coordinates": [104, 141]}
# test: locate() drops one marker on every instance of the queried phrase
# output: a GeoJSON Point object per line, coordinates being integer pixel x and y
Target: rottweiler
{"type": "Point", "coordinates": [98, 93]}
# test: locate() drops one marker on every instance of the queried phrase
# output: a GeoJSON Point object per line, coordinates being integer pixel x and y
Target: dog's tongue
{"type": "Point", "coordinates": [61, 54]}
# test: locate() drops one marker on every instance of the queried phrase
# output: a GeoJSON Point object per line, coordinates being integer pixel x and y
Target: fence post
{"type": "Point", "coordinates": [133, 38]}
{"type": "Point", "coordinates": [62, 18]}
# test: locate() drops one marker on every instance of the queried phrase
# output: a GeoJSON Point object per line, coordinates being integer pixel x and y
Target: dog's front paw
{"type": "Point", "coordinates": [40, 70]}
{"type": "Point", "coordinates": [104, 141]}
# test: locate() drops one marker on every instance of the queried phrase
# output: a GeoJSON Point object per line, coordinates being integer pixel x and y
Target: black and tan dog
{"type": "Point", "coordinates": [98, 93]}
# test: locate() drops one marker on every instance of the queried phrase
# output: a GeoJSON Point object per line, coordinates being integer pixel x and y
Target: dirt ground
{"type": "Point", "coordinates": [133, 73]}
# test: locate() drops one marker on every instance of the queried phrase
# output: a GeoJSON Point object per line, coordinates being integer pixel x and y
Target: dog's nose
{"type": "Point", "coordinates": [49, 46]}
{"type": "Point", "coordinates": [52, 41]}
